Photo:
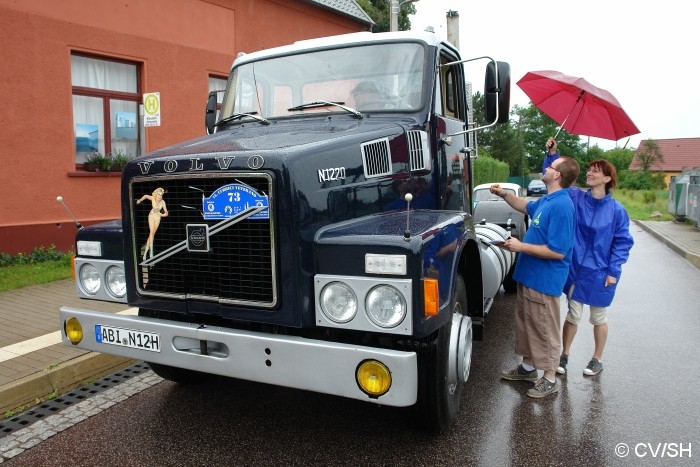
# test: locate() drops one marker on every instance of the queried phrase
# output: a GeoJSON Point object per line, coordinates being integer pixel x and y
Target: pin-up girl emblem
{"type": "Point", "coordinates": [157, 211]}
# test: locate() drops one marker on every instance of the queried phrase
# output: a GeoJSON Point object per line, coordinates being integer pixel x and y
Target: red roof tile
{"type": "Point", "coordinates": [678, 154]}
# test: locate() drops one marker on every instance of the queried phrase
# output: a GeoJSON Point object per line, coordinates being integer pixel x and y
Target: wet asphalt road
{"type": "Point", "coordinates": [646, 400]}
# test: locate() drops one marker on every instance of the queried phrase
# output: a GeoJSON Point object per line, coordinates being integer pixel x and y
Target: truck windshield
{"type": "Point", "coordinates": [378, 77]}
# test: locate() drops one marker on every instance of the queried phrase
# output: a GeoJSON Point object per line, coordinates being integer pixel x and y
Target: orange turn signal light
{"type": "Point", "coordinates": [431, 297]}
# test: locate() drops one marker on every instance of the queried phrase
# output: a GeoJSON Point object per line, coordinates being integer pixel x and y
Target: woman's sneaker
{"type": "Point", "coordinates": [594, 367]}
{"type": "Point", "coordinates": [563, 361]}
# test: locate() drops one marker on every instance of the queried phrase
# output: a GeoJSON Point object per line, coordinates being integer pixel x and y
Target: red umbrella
{"type": "Point", "coordinates": [578, 106]}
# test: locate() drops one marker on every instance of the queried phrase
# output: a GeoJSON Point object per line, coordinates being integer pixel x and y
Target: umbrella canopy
{"type": "Point", "coordinates": [578, 106]}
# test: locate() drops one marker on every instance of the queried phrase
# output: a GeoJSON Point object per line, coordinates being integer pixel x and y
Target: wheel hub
{"type": "Point", "coordinates": [460, 357]}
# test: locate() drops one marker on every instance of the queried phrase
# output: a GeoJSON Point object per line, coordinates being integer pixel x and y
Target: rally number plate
{"type": "Point", "coordinates": [127, 338]}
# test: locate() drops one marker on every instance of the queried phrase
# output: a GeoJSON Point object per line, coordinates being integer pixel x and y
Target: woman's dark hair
{"type": "Point", "coordinates": [608, 170]}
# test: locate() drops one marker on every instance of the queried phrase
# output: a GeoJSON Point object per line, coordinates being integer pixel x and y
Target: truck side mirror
{"type": "Point", "coordinates": [497, 92]}
{"type": "Point", "coordinates": [210, 112]}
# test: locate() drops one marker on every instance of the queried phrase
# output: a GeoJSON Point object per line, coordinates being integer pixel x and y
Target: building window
{"type": "Point", "coordinates": [217, 84]}
{"type": "Point", "coordinates": [106, 97]}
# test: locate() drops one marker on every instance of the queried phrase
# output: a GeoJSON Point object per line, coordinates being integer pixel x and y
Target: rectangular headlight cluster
{"type": "Point", "coordinates": [346, 302]}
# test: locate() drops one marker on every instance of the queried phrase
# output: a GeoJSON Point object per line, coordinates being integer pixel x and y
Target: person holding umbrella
{"type": "Point", "coordinates": [550, 154]}
{"type": "Point", "coordinates": [541, 271]}
{"type": "Point", "coordinates": [602, 245]}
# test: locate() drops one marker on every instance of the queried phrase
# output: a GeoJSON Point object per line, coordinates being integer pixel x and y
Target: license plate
{"type": "Point", "coordinates": [127, 338]}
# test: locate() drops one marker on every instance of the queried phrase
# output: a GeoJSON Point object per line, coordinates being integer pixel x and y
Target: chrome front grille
{"type": "Point", "coordinates": [238, 268]}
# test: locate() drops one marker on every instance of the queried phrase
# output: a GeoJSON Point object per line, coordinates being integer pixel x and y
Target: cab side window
{"type": "Point", "coordinates": [451, 85]}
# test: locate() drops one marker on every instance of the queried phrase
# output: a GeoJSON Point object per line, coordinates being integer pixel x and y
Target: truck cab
{"type": "Point", "coordinates": [320, 236]}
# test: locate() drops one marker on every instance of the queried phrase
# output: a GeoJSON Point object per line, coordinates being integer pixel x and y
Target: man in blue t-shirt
{"type": "Point", "coordinates": [541, 271]}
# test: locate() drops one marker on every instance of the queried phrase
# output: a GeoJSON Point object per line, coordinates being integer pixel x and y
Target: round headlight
{"type": "Point", "coordinates": [90, 279]}
{"type": "Point", "coordinates": [338, 302]}
{"type": "Point", "coordinates": [385, 306]}
{"type": "Point", "coordinates": [116, 282]}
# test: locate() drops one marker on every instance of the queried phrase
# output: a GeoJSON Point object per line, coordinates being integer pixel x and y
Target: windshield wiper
{"type": "Point", "coordinates": [239, 116]}
{"type": "Point", "coordinates": [315, 104]}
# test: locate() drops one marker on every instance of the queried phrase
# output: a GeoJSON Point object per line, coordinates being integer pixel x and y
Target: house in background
{"type": "Point", "coordinates": [678, 154]}
{"type": "Point", "coordinates": [74, 75]}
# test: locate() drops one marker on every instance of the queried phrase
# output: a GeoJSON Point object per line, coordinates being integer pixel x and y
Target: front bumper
{"type": "Point", "coordinates": [289, 361]}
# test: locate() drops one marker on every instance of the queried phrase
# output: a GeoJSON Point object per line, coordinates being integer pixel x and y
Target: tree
{"type": "Point", "coordinates": [379, 11]}
{"type": "Point", "coordinates": [649, 154]}
{"type": "Point", "coordinates": [521, 143]}
{"type": "Point", "coordinates": [500, 141]}
{"type": "Point", "coordinates": [621, 158]}
{"type": "Point", "coordinates": [536, 127]}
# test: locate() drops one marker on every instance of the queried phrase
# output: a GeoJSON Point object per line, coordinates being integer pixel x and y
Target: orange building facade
{"type": "Point", "coordinates": [176, 48]}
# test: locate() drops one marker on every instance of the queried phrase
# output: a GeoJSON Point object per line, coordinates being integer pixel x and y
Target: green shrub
{"type": "Point", "coordinates": [40, 254]}
{"type": "Point", "coordinates": [649, 196]}
{"type": "Point", "coordinates": [488, 169]}
{"type": "Point", "coordinates": [641, 180]}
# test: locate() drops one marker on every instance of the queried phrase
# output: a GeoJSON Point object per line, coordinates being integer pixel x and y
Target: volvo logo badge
{"type": "Point", "coordinates": [198, 238]}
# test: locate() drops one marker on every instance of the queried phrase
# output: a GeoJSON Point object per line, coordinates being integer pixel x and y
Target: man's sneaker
{"type": "Point", "coordinates": [563, 361]}
{"type": "Point", "coordinates": [594, 367]}
{"type": "Point", "coordinates": [519, 374]}
{"type": "Point", "coordinates": [543, 388]}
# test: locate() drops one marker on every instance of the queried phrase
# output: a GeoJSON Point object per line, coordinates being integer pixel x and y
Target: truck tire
{"type": "Point", "coordinates": [171, 373]}
{"type": "Point", "coordinates": [441, 374]}
{"type": "Point", "coordinates": [509, 284]}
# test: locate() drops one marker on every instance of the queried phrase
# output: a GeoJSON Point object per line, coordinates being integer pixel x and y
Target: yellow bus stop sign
{"type": "Point", "coordinates": [151, 109]}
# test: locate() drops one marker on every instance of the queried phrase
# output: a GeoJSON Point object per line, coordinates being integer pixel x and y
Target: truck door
{"type": "Point", "coordinates": [451, 113]}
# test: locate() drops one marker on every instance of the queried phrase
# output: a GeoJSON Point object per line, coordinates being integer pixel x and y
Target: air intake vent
{"type": "Point", "coordinates": [418, 150]}
{"type": "Point", "coordinates": [376, 158]}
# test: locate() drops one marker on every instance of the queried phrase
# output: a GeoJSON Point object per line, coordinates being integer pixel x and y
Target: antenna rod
{"type": "Point", "coordinates": [407, 233]}
{"type": "Point", "coordinates": [60, 200]}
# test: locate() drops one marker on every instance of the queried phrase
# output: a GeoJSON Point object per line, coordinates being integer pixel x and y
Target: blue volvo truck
{"type": "Point", "coordinates": [319, 236]}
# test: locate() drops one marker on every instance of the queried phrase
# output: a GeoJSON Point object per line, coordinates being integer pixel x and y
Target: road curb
{"type": "Point", "coordinates": [693, 258]}
{"type": "Point", "coordinates": [32, 389]}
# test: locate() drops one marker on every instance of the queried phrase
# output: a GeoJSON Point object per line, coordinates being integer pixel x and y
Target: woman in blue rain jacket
{"type": "Point", "coordinates": [601, 246]}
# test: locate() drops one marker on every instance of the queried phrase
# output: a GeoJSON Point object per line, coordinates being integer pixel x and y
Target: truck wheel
{"type": "Point", "coordinates": [443, 367]}
{"type": "Point", "coordinates": [171, 373]}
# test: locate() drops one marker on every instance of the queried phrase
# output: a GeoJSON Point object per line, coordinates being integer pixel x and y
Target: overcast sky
{"type": "Point", "coordinates": [644, 53]}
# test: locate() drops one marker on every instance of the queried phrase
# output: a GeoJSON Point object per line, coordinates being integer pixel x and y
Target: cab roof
{"type": "Point", "coordinates": [357, 38]}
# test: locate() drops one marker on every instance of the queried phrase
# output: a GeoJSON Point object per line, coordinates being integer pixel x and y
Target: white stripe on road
{"type": "Point", "coordinates": [41, 342]}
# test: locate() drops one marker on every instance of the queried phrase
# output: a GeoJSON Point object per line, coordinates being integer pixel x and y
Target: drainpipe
{"type": "Point", "coordinates": [394, 11]}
